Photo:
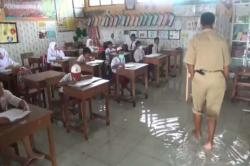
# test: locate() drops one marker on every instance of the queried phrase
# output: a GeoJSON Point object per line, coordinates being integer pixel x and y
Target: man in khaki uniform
{"type": "Point", "coordinates": [207, 60]}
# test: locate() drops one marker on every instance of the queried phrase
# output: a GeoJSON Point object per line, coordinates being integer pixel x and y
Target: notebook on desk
{"type": "Point", "coordinates": [84, 83]}
{"type": "Point", "coordinates": [6, 71]}
{"type": "Point", "coordinates": [153, 55]}
{"type": "Point", "coordinates": [14, 114]}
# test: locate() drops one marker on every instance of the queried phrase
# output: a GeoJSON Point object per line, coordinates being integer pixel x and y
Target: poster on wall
{"type": "Point", "coordinates": [174, 35]}
{"type": "Point", "coordinates": [29, 9]}
{"type": "Point", "coordinates": [133, 32]}
{"type": "Point", "coordinates": [142, 34]}
{"type": "Point", "coordinates": [47, 29]}
{"type": "Point", "coordinates": [65, 15]}
{"type": "Point", "coordinates": [8, 33]}
{"type": "Point", "coordinates": [163, 34]}
{"type": "Point", "coordinates": [152, 34]}
{"type": "Point", "coordinates": [2, 16]}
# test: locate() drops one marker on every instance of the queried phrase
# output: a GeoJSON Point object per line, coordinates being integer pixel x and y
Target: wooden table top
{"type": "Point", "coordinates": [13, 129]}
{"type": "Point", "coordinates": [43, 76]}
{"type": "Point", "coordinates": [137, 66]}
{"type": "Point", "coordinates": [156, 57]}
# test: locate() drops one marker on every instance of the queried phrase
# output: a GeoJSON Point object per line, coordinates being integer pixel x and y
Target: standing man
{"type": "Point", "coordinates": [208, 61]}
{"type": "Point", "coordinates": [131, 45]}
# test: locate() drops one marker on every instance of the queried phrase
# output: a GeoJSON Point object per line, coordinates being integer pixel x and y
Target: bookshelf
{"type": "Point", "coordinates": [240, 29]}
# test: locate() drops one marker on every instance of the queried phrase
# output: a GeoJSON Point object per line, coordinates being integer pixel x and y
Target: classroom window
{"type": "Point", "coordinates": [105, 2]}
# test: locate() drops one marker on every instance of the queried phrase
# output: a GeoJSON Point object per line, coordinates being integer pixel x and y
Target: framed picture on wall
{"type": "Point", "coordinates": [142, 34]}
{"type": "Point", "coordinates": [163, 34]}
{"type": "Point", "coordinates": [152, 34]}
{"type": "Point", "coordinates": [133, 32]}
{"type": "Point", "coordinates": [8, 33]}
{"type": "Point", "coordinates": [174, 35]}
{"type": "Point", "coordinates": [130, 4]}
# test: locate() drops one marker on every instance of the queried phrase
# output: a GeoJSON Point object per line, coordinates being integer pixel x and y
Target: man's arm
{"type": "Point", "coordinates": [226, 71]}
{"type": "Point", "coordinates": [191, 70]}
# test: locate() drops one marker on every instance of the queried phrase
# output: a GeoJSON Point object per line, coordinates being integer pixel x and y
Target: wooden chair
{"type": "Point", "coordinates": [25, 57]}
{"type": "Point", "coordinates": [241, 82]}
{"type": "Point", "coordinates": [36, 64]}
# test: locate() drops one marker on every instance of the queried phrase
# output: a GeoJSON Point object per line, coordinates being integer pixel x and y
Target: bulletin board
{"type": "Point", "coordinates": [8, 33]}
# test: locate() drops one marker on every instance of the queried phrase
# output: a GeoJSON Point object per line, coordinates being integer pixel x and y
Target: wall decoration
{"type": "Point", "coordinates": [78, 6]}
{"type": "Point", "coordinates": [163, 34]}
{"type": "Point", "coordinates": [142, 34]}
{"type": "Point", "coordinates": [8, 33]}
{"type": "Point", "coordinates": [152, 34]}
{"type": "Point", "coordinates": [47, 29]}
{"type": "Point", "coordinates": [130, 4]}
{"type": "Point", "coordinates": [2, 16]}
{"type": "Point", "coordinates": [174, 35]}
{"type": "Point", "coordinates": [29, 9]}
{"type": "Point", "coordinates": [65, 15]}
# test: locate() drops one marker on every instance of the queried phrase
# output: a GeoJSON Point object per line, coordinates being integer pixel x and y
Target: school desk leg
{"type": "Point", "coordinates": [85, 120]}
{"type": "Point", "coordinates": [117, 87]}
{"type": "Point", "coordinates": [51, 146]}
{"type": "Point", "coordinates": [133, 91]}
{"type": "Point", "coordinates": [166, 69]}
{"type": "Point", "coordinates": [107, 109]}
{"type": "Point", "coordinates": [146, 84]}
{"type": "Point", "coordinates": [157, 75]}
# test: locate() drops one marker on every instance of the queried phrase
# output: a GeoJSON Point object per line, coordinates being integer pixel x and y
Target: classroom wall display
{"type": "Point", "coordinates": [152, 34]}
{"type": "Point", "coordinates": [2, 16]}
{"type": "Point", "coordinates": [130, 4]}
{"type": "Point", "coordinates": [47, 29]}
{"type": "Point", "coordinates": [147, 19]}
{"type": "Point", "coordinates": [133, 32]}
{"type": "Point", "coordinates": [8, 33]}
{"type": "Point", "coordinates": [29, 9]}
{"type": "Point", "coordinates": [142, 34]}
{"type": "Point", "coordinates": [163, 34]}
{"type": "Point", "coordinates": [174, 34]}
{"type": "Point", "coordinates": [65, 15]}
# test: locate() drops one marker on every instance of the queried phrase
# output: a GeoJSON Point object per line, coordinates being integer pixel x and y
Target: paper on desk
{"type": "Point", "coordinates": [83, 83]}
{"type": "Point", "coordinates": [5, 71]}
{"type": "Point", "coordinates": [152, 55]}
{"type": "Point", "coordinates": [14, 114]}
{"type": "Point", "coordinates": [97, 61]}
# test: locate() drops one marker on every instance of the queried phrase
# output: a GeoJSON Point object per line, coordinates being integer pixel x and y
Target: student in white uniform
{"type": "Point", "coordinates": [86, 54]}
{"type": "Point", "coordinates": [156, 46]}
{"type": "Point", "coordinates": [119, 62]}
{"type": "Point", "coordinates": [132, 45]}
{"type": "Point", "coordinates": [109, 52]}
{"type": "Point", "coordinates": [90, 45]}
{"type": "Point", "coordinates": [6, 99]}
{"type": "Point", "coordinates": [54, 53]}
{"type": "Point", "coordinates": [139, 53]}
{"type": "Point", "coordinates": [5, 61]}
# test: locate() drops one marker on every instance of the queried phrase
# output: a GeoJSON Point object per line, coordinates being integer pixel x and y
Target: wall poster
{"type": "Point", "coordinates": [8, 33]}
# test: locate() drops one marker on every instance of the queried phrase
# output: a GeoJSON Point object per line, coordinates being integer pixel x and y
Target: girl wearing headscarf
{"type": "Point", "coordinates": [54, 53]}
{"type": "Point", "coordinates": [5, 61]}
{"type": "Point", "coordinates": [91, 46]}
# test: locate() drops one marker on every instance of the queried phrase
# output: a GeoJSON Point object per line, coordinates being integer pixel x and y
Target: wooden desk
{"type": "Point", "coordinates": [43, 80]}
{"type": "Point", "coordinates": [175, 53]}
{"type": "Point", "coordinates": [157, 62]}
{"type": "Point", "coordinates": [140, 69]}
{"type": "Point", "coordinates": [71, 52]}
{"type": "Point", "coordinates": [10, 78]}
{"type": "Point", "coordinates": [65, 63]}
{"type": "Point", "coordinates": [92, 68]}
{"type": "Point", "coordinates": [98, 87]}
{"type": "Point", "coordinates": [35, 60]}
{"type": "Point", "coordinates": [38, 119]}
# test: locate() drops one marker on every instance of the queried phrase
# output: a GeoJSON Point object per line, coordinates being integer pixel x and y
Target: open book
{"type": "Point", "coordinates": [87, 82]}
{"type": "Point", "coordinates": [14, 114]}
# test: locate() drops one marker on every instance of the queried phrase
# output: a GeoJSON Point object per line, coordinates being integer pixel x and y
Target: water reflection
{"type": "Point", "coordinates": [229, 148]}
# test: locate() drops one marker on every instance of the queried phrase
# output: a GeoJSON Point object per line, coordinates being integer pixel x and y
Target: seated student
{"type": "Point", "coordinates": [132, 44]}
{"type": "Point", "coordinates": [109, 52]}
{"type": "Point", "coordinates": [6, 99]}
{"type": "Point", "coordinates": [90, 45]}
{"type": "Point", "coordinates": [139, 53]}
{"type": "Point", "coordinates": [86, 54]}
{"type": "Point", "coordinates": [54, 53]}
{"type": "Point", "coordinates": [5, 61]}
{"type": "Point", "coordinates": [72, 77]}
{"type": "Point", "coordinates": [156, 46]}
{"type": "Point", "coordinates": [117, 62]}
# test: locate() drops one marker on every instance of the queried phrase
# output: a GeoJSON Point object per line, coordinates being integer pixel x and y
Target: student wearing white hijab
{"type": "Point", "coordinates": [5, 61]}
{"type": "Point", "coordinates": [91, 46]}
{"type": "Point", "coordinates": [54, 53]}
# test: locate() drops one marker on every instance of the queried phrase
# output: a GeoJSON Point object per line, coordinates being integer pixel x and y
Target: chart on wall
{"type": "Point", "coordinates": [8, 33]}
{"type": "Point", "coordinates": [65, 15]}
{"type": "Point", "coordinates": [29, 9]}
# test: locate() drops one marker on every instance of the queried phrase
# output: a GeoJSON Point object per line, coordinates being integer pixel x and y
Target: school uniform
{"type": "Point", "coordinates": [155, 48]}
{"type": "Point", "coordinates": [131, 45]}
{"type": "Point", "coordinates": [6, 61]}
{"type": "Point", "coordinates": [81, 59]}
{"type": "Point", "coordinates": [139, 55]}
{"type": "Point", "coordinates": [66, 78]}
{"type": "Point", "coordinates": [54, 54]}
{"type": "Point", "coordinates": [8, 99]}
{"type": "Point", "coordinates": [114, 66]}
{"type": "Point", "coordinates": [108, 52]}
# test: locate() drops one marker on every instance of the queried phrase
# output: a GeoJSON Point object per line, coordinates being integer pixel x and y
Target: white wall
{"type": "Point", "coordinates": [30, 42]}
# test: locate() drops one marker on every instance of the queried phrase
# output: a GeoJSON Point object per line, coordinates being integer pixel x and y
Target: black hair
{"type": "Point", "coordinates": [137, 43]}
{"type": "Point", "coordinates": [86, 50]}
{"type": "Point", "coordinates": [132, 35]}
{"type": "Point", "coordinates": [156, 38]}
{"type": "Point", "coordinates": [207, 19]}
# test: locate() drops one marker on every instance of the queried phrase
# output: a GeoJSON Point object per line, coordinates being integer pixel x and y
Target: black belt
{"type": "Point", "coordinates": [202, 71]}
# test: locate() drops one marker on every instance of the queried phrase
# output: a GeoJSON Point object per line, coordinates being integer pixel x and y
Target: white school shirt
{"type": "Point", "coordinates": [6, 62]}
{"type": "Point", "coordinates": [53, 55]}
{"type": "Point", "coordinates": [9, 98]}
{"type": "Point", "coordinates": [131, 45]}
{"type": "Point", "coordinates": [81, 59]}
{"type": "Point", "coordinates": [139, 55]}
{"type": "Point", "coordinates": [155, 48]}
{"type": "Point", "coordinates": [66, 78]}
{"type": "Point", "coordinates": [116, 61]}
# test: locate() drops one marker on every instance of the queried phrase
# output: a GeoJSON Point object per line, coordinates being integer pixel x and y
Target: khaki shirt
{"type": "Point", "coordinates": [208, 51]}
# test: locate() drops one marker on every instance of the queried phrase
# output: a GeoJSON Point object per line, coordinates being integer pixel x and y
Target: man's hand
{"type": "Point", "coordinates": [24, 105]}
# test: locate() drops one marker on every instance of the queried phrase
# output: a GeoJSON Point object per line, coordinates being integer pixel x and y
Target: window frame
{"type": "Point", "coordinates": [112, 4]}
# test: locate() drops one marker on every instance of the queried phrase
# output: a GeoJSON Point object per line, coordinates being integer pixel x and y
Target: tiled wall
{"type": "Point", "coordinates": [30, 42]}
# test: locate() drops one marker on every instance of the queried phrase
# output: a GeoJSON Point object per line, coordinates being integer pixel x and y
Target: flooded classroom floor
{"type": "Point", "coordinates": [157, 132]}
